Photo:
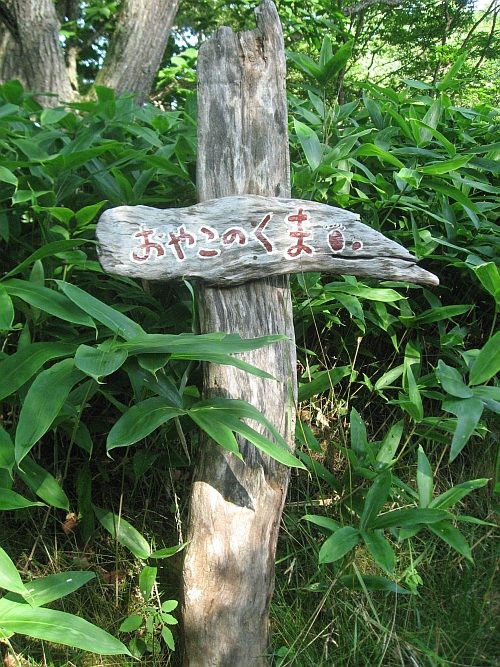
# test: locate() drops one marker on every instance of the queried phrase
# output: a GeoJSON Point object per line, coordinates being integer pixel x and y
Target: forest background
{"type": "Point", "coordinates": [386, 555]}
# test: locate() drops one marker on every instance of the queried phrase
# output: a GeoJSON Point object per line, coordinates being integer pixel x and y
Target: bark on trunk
{"type": "Point", "coordinates": [236, 507]}
{"type": "Point", "coordinates": [41, 54]}
{"type": "Point", "coordinates": [137, 46]}
{"type": "Point", "coordinates": [10, 58]}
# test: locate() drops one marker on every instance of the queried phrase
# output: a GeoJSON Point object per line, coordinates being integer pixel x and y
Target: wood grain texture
{"type": "Point", "coordinates": [236, 507]}
{"type": "Point", "coordinates": [236, 239]}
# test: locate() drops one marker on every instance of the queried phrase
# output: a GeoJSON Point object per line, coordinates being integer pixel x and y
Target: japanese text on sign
{"type": "Point", "coordinates": [207, 243]}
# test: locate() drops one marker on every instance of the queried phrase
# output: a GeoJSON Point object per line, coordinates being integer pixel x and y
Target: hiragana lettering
{"type": "Point", "coordinates": [234, 235]}
{"type": "Point", "coordinates": [262, 238]}
{"type": "Point", "coordinates": [148, 246]}
{"type": "Point", "coordinates": [211, 235]}
{"type": "Point", "coordinates": [300, 234]}
{"type": "Point", "coordinates": [182, 236]}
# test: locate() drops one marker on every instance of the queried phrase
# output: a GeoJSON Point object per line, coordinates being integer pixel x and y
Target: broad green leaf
{"type": "Point", "coordinates": [338, 544]}
{"type": "Point", "coordinates": [168, 637]}
{"type": "Point", "coordinates": [390, 443]}
{"type": "Point", "coordinates": [42, 404]}
{"type": "Point", "coordinates": [9, 576]}
{"type": "Point", "coordinates": [371, 150]}
{"type": "Point", "coordinates": [489, 276]}
{"type": "Point", "coordinates": [359, 441]}
{"type": "Point", "coordinates": [47, 250]}
{"type": "Point", "coordinates": [425, 483]}
{"type": "Point", "coordinates": [169, 605]}
{"type": "Point", "coordinates": [380, 549]}
{"type": "Point", "coordinates": [101, 360]}
{"type": "Point", "coordinates": [6, 310]}
{"type": "Point", "coordinates": [19, 367]}
{"type": "Point", "coordinates": [452, 536]}
{"type": "Point", "coordinates": [10, 500]}
{"type": "Point", "coordinates": [140, 420]}
{"type": "Point", "coordinates": [117, 322]}
{"type": "Point", "coordinates": [86, 214]}
{"type": "Point", "coordinates": [372, 583]}
{"type": "Point", "coordinates": [487, 363]}
{"type": "Point", "coordinates": [48, 300]}
{"type": "Point", "coordinates": [445, 166]}
{"type": "Point", "coordinates": [310, 143]}
{"type": "Point", "coordinates": [335, 63]}
{"type": "Point", "coordinates": [6, 176]}
{"type": "Point", "coordinates": [53, 116]}
{"type": "Point", "coordinates": [468, 412]}
{"type": "Point", "coordinates": [168, 551]}
{"type": "Point", "coordinates": [124, 533]}
{"type": "Point", "coordinates": [389, 377]}
{"type": "Point", "coordinates": [409, 518]}
{"type": "Point", "coordinates": [220, 433]}
{"type": "Point", "coordinates": [131, 623]}
{"type": "Point", "coordinates": [435, 315]}
{"type": "Point", "coordinates": [42, 483]}
{"type": "Point", "coordinates": [414, 403]}
{"type": "Point", "coordinates": [306, 64]}
{"type": "Point", "coordinates": [449, 80]}
{"type": "Point", "coordinates": [44, 590]}
{"type": "Point", "coordinates": [58, 627]}
{"type": "Point", "coordinates": [323, 381]}
{"type": "Point", "coordinates": [452, 381]}
{"type": "Point", "coordinates": [147, 578]}
{"type": "Point", "coordinates": [211, 343]}
{"type": "Point", "coordinates": [375, 499]}
{"type": "Point", "coordinates": [452, 496]}
{"type": "Point", "coordinates": [7, 458]}
{"type": "Point", "coordinates": [452, 192]}
{"type": "Point", "coordinates": [431, 118]}
{"type": "Point", "coordinates": [322, 521]}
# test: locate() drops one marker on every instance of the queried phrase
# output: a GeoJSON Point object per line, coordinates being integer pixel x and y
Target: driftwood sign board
{"type": "Point", "coordinates": [240, 242]}
{"type": "Point", "coordinates": [233, 240]}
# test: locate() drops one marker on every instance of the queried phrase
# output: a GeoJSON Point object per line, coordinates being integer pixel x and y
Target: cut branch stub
{"type": "Point", "coordinates": [232, 240]}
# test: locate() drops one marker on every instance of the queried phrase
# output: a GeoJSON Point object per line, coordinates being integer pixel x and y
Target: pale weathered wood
{"type": "Point", "coordinates": [236, 507]}
{"type": "Point", "coordinates": [236, 239]}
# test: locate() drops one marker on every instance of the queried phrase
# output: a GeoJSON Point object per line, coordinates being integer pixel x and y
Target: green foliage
{"type": "Point", "coordinates": [397, 383]}
{"type": "Point", "coordinates": [68, 358]}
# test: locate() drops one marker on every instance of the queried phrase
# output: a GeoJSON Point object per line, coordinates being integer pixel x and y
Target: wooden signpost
{"type": "Point", "coordinates": [240, 242]}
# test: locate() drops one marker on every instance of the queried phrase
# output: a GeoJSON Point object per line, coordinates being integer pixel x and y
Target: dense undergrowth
{"type": "Point", "coordinates": [387, 534]}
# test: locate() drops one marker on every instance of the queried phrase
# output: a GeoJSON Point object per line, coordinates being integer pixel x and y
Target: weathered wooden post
{"type": "Point", "coordinates": [241, 241]}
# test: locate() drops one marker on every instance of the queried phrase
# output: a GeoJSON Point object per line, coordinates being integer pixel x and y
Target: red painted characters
{"type": "Point", "coordinates": [206, 243]}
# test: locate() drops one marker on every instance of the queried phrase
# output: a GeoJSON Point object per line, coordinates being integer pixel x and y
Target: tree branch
{"type": "Point", "coordinates": [366, 4]}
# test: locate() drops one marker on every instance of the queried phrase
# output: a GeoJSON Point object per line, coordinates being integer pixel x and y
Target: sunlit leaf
{"type": "Point", "coordinates": [19, 367]}
{"type": "Point", "coordinates": [380, 549]}
{"type": "Point", "coordinates": [468, 412]}
{"type": "Point", "coordinates": [38, 413]}
{"type": "Point", "coordinates": [487, 363]}
{"type": "Point", "coordinates": [425, 482]}
{"type": "Point", "coordinates": [452, 536]}
{"type": "Point", "coordinates": [124, 533]}
{"type": "Point", "coordinates": [9, 576]}
{"type": "Point", "coordinates": [42, 483]}
{"type": "Point", "coordinates": [338, 544]}
{"type": "Point", "coordinates": [375, 499]}
{"type": "Point", "coordinates": [58, 627]}
{"type": "Point", "coordinates": [140, 420]}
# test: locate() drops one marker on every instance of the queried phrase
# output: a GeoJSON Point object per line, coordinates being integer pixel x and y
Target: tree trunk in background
{"type": "Point", "coordinates": [30, 48]}
{"type": "Point", "coordinates": [36, 27]}
{"type": "Point", "coordinates": [10, 57]}
{"type": "Point", "coordinates": [136, 49]}
{"type": "Point", "coordinates": [236, 506]}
